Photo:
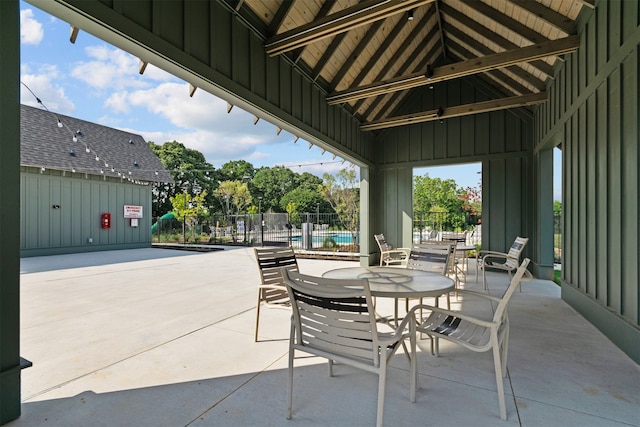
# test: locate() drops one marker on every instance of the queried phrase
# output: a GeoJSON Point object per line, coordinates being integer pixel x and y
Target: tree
{"type": "Point", "coordinates": [187, 209]}
{"type": "Point", "coordinates": [187, 167]}
{"type": "Point", "coordinates": [431, 193]}
{"type": "Point", "coordinates": [273, 183]}
{"type": "Point", "coordinates": [237, 170]}
{"type": "Point", "coordinates": [234, 194]}
{"type": "Point", "coordinates": [343, 193]}
{"type": "Point", "coordinates": [305, 200]}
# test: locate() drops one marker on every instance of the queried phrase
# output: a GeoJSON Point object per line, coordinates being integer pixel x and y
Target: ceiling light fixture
{"type": "Point", "coordinates": [410, 15]}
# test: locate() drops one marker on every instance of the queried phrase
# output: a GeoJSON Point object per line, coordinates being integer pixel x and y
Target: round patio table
{"type": "Point", "coordinates": [393, 282]}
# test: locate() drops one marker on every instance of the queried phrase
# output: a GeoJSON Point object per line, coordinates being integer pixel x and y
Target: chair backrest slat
{"type": "Point", "coordinates": [382, 243]}
{"type": "Point", "coordinates": [432, 256]}
{"type": "Point", "coordinates": [515, 251]}
{"type": "Point", "coordinates": [271, 261]}
{"type": "Point", "coordinates": [333, 315]}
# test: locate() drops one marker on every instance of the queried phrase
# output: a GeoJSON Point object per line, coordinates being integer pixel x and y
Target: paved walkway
{"type": "Point", "coordinates": [157, 337]}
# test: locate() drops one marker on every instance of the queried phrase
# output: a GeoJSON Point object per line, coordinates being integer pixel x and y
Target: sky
{"type": "Point", "coordinates": [94, 81]}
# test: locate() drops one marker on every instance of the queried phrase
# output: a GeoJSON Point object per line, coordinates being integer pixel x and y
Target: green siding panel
{"type": "Point", "coordinates": [597, 125]}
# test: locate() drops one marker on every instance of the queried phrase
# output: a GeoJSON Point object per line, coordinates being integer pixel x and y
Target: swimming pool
{"type": "Point", "coordinates": [340, 237]}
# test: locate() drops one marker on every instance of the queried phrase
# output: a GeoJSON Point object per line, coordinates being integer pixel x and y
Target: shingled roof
{"type": "Point", "coordinates": [47, 140]}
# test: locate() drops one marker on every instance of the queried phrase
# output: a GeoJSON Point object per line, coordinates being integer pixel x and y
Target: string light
{"type": "Point", "coordinates": [74, 137]}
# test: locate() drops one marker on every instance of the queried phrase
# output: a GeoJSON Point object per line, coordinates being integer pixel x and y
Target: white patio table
{"type": "Point", "coordinates": [394, 282]}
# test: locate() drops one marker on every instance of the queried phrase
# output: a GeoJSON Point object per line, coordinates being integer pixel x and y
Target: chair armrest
{"type": "Point", "coordinates": [478, 294]}
{"type": "Point", "coordinates": [482, 254]}
{"type": "Point", "coordinates": [404, 251]}
{"type": "Point", "coordinates": [479, 322]}
{"type": "Point", "coordinates": [398, 333]}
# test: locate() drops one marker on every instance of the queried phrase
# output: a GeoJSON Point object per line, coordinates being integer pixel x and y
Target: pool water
{"type": "Point", "coordinates": [341, 238]}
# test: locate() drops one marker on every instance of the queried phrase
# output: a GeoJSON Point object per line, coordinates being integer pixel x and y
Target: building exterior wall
{"type": "Point", "coordinates": [75, 226]}
{"type": "Point", "coordinates": [501, 140]}
{"type": "Point", "coordinates": [593, 114]}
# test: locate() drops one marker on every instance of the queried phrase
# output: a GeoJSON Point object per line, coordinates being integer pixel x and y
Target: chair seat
{"type": "Point", "coordinates": [454, 328]}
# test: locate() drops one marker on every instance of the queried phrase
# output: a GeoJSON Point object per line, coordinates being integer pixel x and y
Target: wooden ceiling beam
{"type": "Point", "coordinates": [548, 15]}
{"type": "Point", "coordinates": [466, 22]}
{"type": "Point", "coordinates": [457, 111]}
{"type": "Point", "coordinates": [509, 84]}
{"type": "Point", "coordinates": [360, 14]}
{"type": "Point", "coordinates": [327, 54]}
{"type": "Point", "coordinates": [460, 69]}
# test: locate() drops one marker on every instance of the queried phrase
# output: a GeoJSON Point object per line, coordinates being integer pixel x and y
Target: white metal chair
{"type": "Point", "coordinates": [335, 319]}
{"type": "Point", "coordinates": [501, 261]}
{"type": "Point", "coordinates": [436, 257]}
{"type": "Point", "coordinates": [473, 333]}
{"type": "Point", "coordinates": [271, 290]}
{"type": "Point", "coordinates": [390, 255]}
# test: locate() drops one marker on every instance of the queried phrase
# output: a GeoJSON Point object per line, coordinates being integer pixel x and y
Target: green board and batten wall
{"type": "Point", "coordinates": [62, 213]}
{"type": "Point", "coordinates": [593, 114]}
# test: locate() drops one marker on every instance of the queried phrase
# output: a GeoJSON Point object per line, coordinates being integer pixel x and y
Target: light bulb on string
{"type": "Point", "coordinates": [87, 149]}
{"type": "Point", "coordinates": [75, 138]}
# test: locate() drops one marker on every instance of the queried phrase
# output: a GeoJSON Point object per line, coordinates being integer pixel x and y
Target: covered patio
{"type": "Point", "coordinates": [159, 337]}
{"type": "Point", "coordinates": [511, 80]}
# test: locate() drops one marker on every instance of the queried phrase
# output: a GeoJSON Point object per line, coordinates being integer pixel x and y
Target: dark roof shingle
{"type": "Point", "coordinates": [44, 143]}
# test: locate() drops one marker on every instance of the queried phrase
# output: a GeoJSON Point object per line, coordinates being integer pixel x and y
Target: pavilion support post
{"type": "Point", "coordinates": [9, 211]}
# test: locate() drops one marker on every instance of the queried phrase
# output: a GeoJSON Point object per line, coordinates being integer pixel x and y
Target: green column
{"type": "Point", "coordinates": [9, 211]}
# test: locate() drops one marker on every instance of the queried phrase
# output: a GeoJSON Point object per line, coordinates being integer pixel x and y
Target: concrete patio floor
{"type": "Point", "coordinates": [157, 337]}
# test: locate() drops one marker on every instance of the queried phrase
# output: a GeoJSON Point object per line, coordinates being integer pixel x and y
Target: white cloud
{"type": "Point", "coordinates": [118, 102]}
{"type": "Point", "coordinates": [44, 86]}
{"type": "Point", "coordinates": [31, 31]}
{"type": "Point", "coordinates": [110, 69]}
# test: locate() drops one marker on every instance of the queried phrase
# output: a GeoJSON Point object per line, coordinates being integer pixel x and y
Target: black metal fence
{"type": "Point", "coordinates": [557, 239]}
{"type": "Point", "coordinates": [310, 231]}
{"type": "Point", "coordinates": [436, 225]}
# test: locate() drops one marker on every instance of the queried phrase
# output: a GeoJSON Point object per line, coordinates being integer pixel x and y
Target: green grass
{"type": "Point", "coordinates": [556, 276]}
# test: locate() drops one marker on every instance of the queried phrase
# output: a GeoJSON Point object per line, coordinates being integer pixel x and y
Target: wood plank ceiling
{"type": "Point", "coordinates": [368, 55]}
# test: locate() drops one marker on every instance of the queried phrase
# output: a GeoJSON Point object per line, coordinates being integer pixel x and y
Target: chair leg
{"type": "Point", "coordinates": [330, 367]}
{"type": "Point", "coordinates": [381, 385]}
{"type": "Point", "coordinates": [290, 394]}
{"type": "Point", "coordinates": [499, 381]}
{"type": "Point", "coordinates": [484, 277]}
{"type": "Point", "coordinates": [255, 338]}
{"type": "Point", "coordinates": [413, 381]}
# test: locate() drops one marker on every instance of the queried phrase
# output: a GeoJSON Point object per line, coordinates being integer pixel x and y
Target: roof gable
{"type": "Point", "coordinates": [60, 142]}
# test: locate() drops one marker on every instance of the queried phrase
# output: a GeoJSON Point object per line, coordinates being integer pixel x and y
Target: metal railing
{"type": "Point", "coordinates": [436, 225]}
{"type": "Point", "coordinates": [309, 231]}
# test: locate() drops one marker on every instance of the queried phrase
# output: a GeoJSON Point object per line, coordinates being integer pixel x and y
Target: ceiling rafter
{"type": "Point", "coordinates": [457, 111]}
{"type": "Point", "coordinates": [483, 31]}
{"type": "Point", "coordinates": [481, 49]}
{"type": "Point", "coordinates": [406, 44]}
{"type": "Point", "coordinates": [324, 11]}
{"type": "Point", "coordinates": [279, 17]}
{"type": "Point", "coordinates": [506, 21]}
{"type": "Point", "coordinates": [464, 68]}
{"type": "Point", "coordinates": [393, 99]}
{"type": "Point", "coordinates": [441, 31]}
{"type": "Point", "coordinates": [361, 14]}
{"type": "Point", "coordinates": [362, 45]}
{"type": "Point", "coordinates": [328, 53]}
{"type": "Point", "coordinates": [382, 48]}
{"type": "Point", "coordinates": [548, 15]}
